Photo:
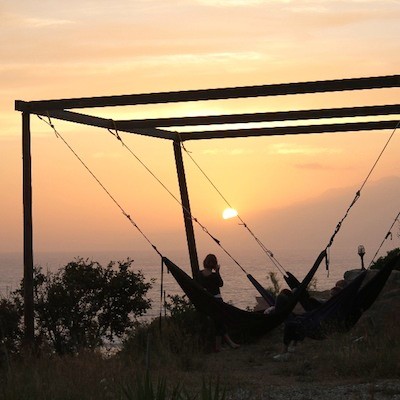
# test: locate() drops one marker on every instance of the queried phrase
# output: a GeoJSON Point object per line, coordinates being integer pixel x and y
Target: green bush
{"type": "Point", "coordinates": [179, 338]}
{"type": "Point", "coordinates": [84, 304]}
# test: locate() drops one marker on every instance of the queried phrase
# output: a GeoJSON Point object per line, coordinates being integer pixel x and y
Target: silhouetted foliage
{"type": "Point", "coordinates": [381, 261]}
{"type": "Point", "coordinates": [84, 304]}
{"type": "Point", "coordinates": [276, 286]}
{"type": "Point", "coordinates": [10, 331]}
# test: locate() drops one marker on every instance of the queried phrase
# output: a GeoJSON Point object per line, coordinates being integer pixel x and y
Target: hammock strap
{"type": "Point", "coordinates": [218, 242]}
{"type": "Point", "coordinates": [358, 194]}
{"type": "Point", "coordinates": [269, 253]}
{"type": "Point", "coordinates": [133, 223]}
{"type": "Point", "coordinates": [389, 234]}
{"type": "Point", "coordinates": [339, 225]}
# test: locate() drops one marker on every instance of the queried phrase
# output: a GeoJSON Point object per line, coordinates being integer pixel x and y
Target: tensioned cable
{"type": "Point", "coordinates": [358, 193]}
{"type": "Point", "coordinates": [268, 252]}
{"type": "Point", "coordinates": [218, 242]}
{"type": "Point", "coordinates": [389, 234]}
{"type": "Point", "coordinates": [58, 135]}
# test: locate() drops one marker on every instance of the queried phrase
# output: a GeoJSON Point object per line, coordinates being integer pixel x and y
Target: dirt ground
{"type": "Point", "coordinates": [253, 373]}
{"type": "Point", "coordinates": [312, 371]}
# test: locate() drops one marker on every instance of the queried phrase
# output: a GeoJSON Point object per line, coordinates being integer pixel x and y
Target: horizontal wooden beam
{"type": "Point", "coordinates": [106, 123]}
{"type": "Point", "coordinates": [289, 130]}
{"type": "Point", "coordinates": [389, 81]}
{"type": "Point", "coordinates": [362, 111]}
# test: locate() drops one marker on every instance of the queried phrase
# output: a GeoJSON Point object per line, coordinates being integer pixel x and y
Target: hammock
{"type": "Point", "coordinates": [342, 311]}
{"type": "Point", "coordinates": [369, 292]}
{"type": "Point", "coordinates": [253, 323]}
{"type": "Point", "coordinates": [307, 302]}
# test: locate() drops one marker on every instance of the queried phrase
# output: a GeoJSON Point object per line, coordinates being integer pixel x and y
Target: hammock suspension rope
{"type": "Point", "coordinates": [268, 252]}
{"type": "Point", "coordinates": [358, 193]}
{"type": "Point", "coordinates": [133, 223]}
{"type": "Point", "coordinates": [204, 229]}
{"type": "Point", "coordinates": [338, 226]}
{"type": "Point", "coordinates": [389, 234]}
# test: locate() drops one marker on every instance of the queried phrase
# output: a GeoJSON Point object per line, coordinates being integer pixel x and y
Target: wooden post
{"type": "Point", "coordinates": [28, 231]}
{"type": "Point", "coordinates": [187, 217]}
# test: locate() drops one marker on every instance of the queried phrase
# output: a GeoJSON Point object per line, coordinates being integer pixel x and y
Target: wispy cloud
{"type": "Point", "coordinates": [237, 3]}
{"type": "Point", "coordinates": [316, 166]}
{"type": "Point", "coordinates": [19, 20]}
{"type": "Point", "coordinates": [42, 22]}
{"type": "Point", "coordinates": [232, 152]}
{"type": "Point", "coordinates": [291, 149]}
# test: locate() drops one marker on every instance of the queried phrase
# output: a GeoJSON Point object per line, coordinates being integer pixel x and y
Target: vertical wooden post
{"type": "Point", "coordinates": [194, 261]}
{"type": "Point", "coordinates": [28, 231]}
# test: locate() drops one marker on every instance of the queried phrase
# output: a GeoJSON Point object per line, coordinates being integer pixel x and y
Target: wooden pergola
{"type": "Point", "coordinates": [159, 128]}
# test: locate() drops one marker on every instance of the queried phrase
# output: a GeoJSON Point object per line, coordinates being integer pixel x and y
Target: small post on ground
{"type": "Point", "coordinates": [361, 253]}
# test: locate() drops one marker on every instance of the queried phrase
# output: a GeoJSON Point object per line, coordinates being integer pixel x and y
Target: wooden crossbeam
{"type": "Point", "coordinates": [289, 130]}
{"type": "Point", "coordinates": [106, 123]}
{"type": "Point", "coordinates": [362, 111]}
{"type": "Point", "coordinates": [378, 82]}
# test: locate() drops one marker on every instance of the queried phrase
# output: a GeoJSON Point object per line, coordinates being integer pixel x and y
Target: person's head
{"type": "Point", "coordinates": [285, 292]}
{"type": "Point", "coordinates": [210, 262]}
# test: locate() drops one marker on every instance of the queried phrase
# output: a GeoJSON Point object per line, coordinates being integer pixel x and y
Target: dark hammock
{"type": "Point", "coordinates": [253, 323]}
{"type": "Point", "coordinates": [342, 311]}
{"type": "Point", "coordinates": [307, 302]}
{"type": "Point", "coordinates": [369, 292]}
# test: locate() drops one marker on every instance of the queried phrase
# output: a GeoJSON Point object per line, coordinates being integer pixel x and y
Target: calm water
{"type": "Point", "coordinates": [237, 289]}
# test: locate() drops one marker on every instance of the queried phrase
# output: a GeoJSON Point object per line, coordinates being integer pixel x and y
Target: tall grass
{"type": "Point", "coordinates": [173, 364]}
{"type": "Point", "coordinates": [90, 376]}
{"type": "Point", "coordinates": [363, 354]}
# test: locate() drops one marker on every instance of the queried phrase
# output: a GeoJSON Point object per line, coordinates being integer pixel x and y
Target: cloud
{"type": "Point", "coordinates": [42, 22]}
{"type": "Point", "coordinates": [230, 152]}
{"type": "Point", "coordinates": [291, 149]}
{"type": "Point", "coordinates": [315, 166]}
{"type": "Point", "coordinates": [238, 3]}
{"type": "Point", "coordinates": [10, 19]}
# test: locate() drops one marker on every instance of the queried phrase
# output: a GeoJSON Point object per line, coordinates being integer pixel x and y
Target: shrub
{"type": "Point", "coordinates": [10, 331]}
{"type": "Point", "coordinates": [84, 304]}
{"type": "Point", "coordinates": [177, 339]}
{"type": "Point", "coordinates": [381, 261]}
{"type": "Point", "coordinates": [276, 287]}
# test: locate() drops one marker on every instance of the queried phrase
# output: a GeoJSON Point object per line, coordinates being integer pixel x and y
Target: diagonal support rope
{"type": "Point", "coordinates": [133, 223]}
{"type": "Point", "coordinates": [389, 234]}
{"type": "Point", "coordinates": [194, 219]}
{"type": "Point", "coordinates": [268, 252]}
{"type": "Point", "coordinates": [358, 193]}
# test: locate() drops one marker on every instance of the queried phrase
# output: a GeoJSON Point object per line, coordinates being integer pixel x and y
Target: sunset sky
{"type": "Point", "coordinates": [54, 49]}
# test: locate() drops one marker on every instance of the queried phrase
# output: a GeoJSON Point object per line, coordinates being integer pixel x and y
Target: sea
{"type": "Point", "coordinates": [237, 289]}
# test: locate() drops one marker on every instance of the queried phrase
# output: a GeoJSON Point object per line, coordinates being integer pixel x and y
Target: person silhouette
{"type": "Point", "coordinates": [211, 280]}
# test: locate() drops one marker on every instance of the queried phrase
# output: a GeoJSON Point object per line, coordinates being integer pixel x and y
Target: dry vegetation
{"type": "Point", "coordinates": [362, 364]}
{"type": "Point", "coordinates": [364, 356]}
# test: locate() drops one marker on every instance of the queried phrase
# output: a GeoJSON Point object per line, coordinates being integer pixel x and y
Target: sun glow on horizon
{"type": "Point", "coordinates": [229, 213]}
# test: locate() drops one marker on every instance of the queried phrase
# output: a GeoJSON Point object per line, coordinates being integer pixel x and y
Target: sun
{"type": "Point", "coordinates": [229, 213]}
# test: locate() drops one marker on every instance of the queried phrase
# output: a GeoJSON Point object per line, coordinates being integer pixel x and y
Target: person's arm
{"type": "Point", "coordinates": [218, 277]}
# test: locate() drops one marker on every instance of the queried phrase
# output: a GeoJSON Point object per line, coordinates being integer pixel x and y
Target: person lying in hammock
{"type": "Point", "coordinates": [281, 302]}
{"type": "Point", "coordinates": [295, 329]}
{"type": "Point", "coordinates": [211, 280]}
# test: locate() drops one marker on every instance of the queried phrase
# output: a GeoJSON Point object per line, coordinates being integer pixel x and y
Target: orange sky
{"type": "Point", "coordinates": [84, 48]}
